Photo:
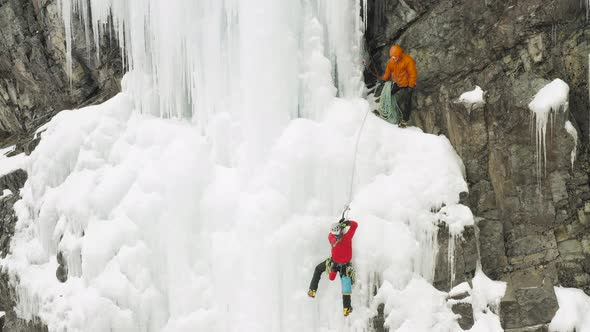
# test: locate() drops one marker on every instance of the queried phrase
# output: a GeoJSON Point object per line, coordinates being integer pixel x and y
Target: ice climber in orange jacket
{"type": "Point", "coordinates": [401, 69]}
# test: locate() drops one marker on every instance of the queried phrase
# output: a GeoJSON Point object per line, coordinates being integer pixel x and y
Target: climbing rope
{"type": "Point", "coordinates": [390, 111]}
{"type": "Point", "coordinates": [356, 146]}
{"type": "Point", "coordinates": [388, 107]}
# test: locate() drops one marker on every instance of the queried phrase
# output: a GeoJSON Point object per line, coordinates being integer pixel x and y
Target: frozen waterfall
{"type": "Point", "coordinates": [200, 198]}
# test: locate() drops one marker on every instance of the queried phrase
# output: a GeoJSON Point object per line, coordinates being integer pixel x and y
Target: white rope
{"type": "Point", "coordinates": [358, 136]}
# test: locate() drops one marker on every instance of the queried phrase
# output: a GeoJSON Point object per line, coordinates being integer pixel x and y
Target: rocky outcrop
{"type": "Point", "coordinates": [533, 226]}
{"type": "Point", "coordinates": [13, 181]}
{"type": "Point", "coordinates": [461, 306]}
{"type": "Point", "coordinates": [461, 264]}
{"type": "Point", "coordinates": [33, 80]}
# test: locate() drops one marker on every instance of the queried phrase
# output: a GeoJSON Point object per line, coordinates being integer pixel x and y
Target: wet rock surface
{"type": "Point", "coordinates": [464, 258]}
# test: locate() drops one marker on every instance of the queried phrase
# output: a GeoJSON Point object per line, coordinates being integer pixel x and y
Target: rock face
{"type": "Point", "coordinates": [12, 181]}
{"type": "Point", "coordinates": [534, 227]}
{"type": "Point", "coordinates": [464, 260]}
{"type": "Point", "coordinates": [33, 80]}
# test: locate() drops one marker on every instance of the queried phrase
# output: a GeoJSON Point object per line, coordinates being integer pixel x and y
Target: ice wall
{"type": "Point", "coordinates": [207, 56]}
{"type": "Point", "coordinates": [200, 198]}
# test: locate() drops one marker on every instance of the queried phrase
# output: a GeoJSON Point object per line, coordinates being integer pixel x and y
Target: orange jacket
{"type": "Point", "coordinates": [403, 72]}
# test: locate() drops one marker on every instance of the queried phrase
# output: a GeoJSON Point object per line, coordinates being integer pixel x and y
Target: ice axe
{"type": "Point", "coordinates": [344, 213]}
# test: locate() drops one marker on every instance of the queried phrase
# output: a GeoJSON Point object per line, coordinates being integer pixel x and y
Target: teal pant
{"type": "Point", "coordinates": [345, 280]}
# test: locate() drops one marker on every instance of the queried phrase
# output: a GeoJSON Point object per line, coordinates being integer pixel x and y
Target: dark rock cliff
{"type": "Point", "coordinates": [534, 232]}
{"type": "Point", "coordinates": [33, 80]}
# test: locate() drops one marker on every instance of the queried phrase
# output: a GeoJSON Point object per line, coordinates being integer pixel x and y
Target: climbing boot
{"type": "Point", "coordinates": [311, 293]}
{"type": "Point", "coordinates": [347, 311]}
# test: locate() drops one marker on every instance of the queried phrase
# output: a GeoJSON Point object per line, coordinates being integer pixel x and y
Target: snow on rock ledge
{"type": "Point", "coordinates": [457, 217]}
{"type": "Point", "coordinates": [473, 98]}
{"type": "Point", "coordinates": [574, 311]}
{"type": "Point", "coordinates": [550, 98]}
{"type": "Point", "coordinates": [553, 97]}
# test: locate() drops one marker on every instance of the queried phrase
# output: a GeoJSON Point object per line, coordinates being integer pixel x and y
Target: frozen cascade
{"type": "Point", "coordinates": [190, 62]}
{"type": "Point", "coordinates": [200, 198]}
{"type": "Point", "coordinates": [553, 97]}
{"type": "Point", "coordinates": [456, 217]}
{"type": "Point", "coordinates": [451, 258]}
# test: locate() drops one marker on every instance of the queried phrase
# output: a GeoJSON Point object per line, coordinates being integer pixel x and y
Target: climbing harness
{"type": "Point", "coordinates": [345, 270]}
{"type": "Point", "coordinates": [351, 273]}
{"type": "Point", "coordinates": [328, 265]}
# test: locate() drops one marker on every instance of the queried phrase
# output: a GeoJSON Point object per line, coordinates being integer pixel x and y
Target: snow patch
{"type": "Point", "coordinates": [486, 293]}
{"type": "Point", "coordinates": [457, 217]}
{"type": "Point", "coordinates": [472, 98]}
{"type": "Point", "coordinates": [485, 299]}
{"type": "Point", "coordinates": [407, 314]}
{"type": "Point", "coordinates": [11, 164]}
{"type": "Point", "coordinates": [461, 288]}
{"type": "Point", "coordinates": [573, 313]}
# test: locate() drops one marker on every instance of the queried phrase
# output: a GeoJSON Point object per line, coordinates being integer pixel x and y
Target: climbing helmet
{"type": "Point", "coordinates": [336, 229]}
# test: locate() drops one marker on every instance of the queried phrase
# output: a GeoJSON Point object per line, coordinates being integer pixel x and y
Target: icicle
{"type": "Point", "coordinates": [66, 12]}
{"type": "Point", "coordinates": [426, 263]}
{"type": "Point", "coordinates": [190, 63]}
{"type": "Point", "coordinates": [451, 258]}
{"type": "Point", "coordinates": [574, 134]}
{"type": "Point", "coordinates": [365, 14]}
{"type": "Point", "coordinates": [551, 98]}
{"type": "Point", "coordinates": [477, 243]}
